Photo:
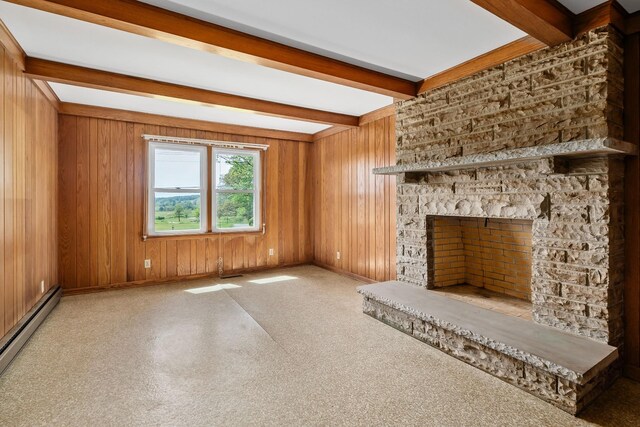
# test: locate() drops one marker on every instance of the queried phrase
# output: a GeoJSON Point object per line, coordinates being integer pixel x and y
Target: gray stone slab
{"type": "Point", "coordinates": [578, 359]}
{"type": "Point", "coordinates": [580, 148]}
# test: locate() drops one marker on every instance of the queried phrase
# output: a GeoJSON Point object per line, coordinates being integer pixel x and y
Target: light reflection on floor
{"type": "Point", "coordinates": [214, 288]}
{"type": "Point", "coordinates": [272, 279]}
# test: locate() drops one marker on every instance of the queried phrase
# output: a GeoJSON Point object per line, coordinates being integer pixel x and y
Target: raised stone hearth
{"type": "Point", "coordinates": [534, 143]}
{"type": "Point", "coordinates": [561, 368]}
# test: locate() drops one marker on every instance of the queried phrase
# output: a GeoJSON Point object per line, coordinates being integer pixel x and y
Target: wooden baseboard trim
{"type": "Point", "coordinates": [344, 272]}
{"type": "Point", "coordinates": [632, 372]}
{"type": "Point", "coordinates": [169, 280]}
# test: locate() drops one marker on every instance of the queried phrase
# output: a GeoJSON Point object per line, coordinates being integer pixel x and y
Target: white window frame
{"type": "Point", "coordinates": [257, 185]}
{"type": "Point", "coordinates": [151, 217]}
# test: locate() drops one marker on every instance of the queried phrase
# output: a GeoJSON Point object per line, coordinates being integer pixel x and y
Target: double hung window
{"type": "Point", "coordinates": [178, 192]}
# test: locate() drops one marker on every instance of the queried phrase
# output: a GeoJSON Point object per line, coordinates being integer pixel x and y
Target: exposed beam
{"type": "Point", "coordinates": [544, 20]}
{"type": "Point", "coordinates": [150, 21]}
{"type": "Point", "coordinates": [490, 59]}
{"type": "Point", "coordinates": [87, 77]}
{"type": "Point", "coordinates": [160, 120]}
{"type": "Point", "coordinates": [610, 12]}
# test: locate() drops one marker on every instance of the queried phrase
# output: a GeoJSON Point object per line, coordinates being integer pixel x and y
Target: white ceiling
{"type": "Point", "coordinates": [415, 38]}
{"type": "Point", "coordinates": [54, 37]}
{"type": "Point", "coordinates": [185, 110]}
{"type": "Point", "coordinates": [412, 38]}
{"type": "Point", "coordinates": [579, 6]}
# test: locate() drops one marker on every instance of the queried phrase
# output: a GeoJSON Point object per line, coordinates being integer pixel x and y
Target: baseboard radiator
{"type": "Point", "coordinates": [17, 337]}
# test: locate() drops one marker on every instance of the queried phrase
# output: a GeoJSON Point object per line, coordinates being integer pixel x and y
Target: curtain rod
{"type": "Point", "coordinates": [226, 144]}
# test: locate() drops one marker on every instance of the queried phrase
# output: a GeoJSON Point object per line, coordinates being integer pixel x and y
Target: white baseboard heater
{"type": "Point", "coordinates": [16, 338]}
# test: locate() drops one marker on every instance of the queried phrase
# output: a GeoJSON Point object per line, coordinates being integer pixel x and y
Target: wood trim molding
{"type": "Point", "coordinates": [159, 120]}
{"type": "Point", "coordinates": [369, 117]}
{"type": "Point", "coordinates": [490, 59]}
{"type": "Point", "coordinates": [170, 280]}
{"type": "Point", "coordinates": [328, 132]}
{"type": "Point", "coordinates": [343, 272]}
{"type": "Point", "coordinates": [374, 115]}
{"type": "Point", "coordinates": [98, 79]}
{"type": "Point", "coordinates": [545, 20]}
{"type": "Point", "coordinates": [150, 21]}
{"type": "Point", "coordinates": [11, 45]}
{"type": "Point", "coordinates": [48, 93]}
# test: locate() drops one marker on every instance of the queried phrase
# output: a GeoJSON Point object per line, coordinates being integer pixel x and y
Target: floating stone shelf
{"type": "Point", "coordinates": [581, 148]}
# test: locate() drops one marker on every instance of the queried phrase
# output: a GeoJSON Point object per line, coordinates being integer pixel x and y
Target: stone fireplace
{"type": "Point", "coordinates": [511, 180]}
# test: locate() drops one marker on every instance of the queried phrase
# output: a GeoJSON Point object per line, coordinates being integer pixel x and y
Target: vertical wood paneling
{"type": "Point", "coordinates": [83, 246]}
{"type": "Point", "coordinates": [28, 194]}
{"type": "Point", "coordinates": [11, 101]}
{"type": "Point", "coordinates": [354, 210]}
{"type": "Point", "coordinates": [104, 200]}
{"type": "Point", "coordinates": [118, 164]}
{"type": "Point", "coordinates": [67, 204]}
{"type": "Point", "coordinates": [632, 207]}
{"type": "Point", "coordinates": [106, 164]}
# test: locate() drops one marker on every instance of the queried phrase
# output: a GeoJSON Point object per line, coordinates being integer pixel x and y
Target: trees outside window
{"type": "Point", "coordinates": [236, 190]}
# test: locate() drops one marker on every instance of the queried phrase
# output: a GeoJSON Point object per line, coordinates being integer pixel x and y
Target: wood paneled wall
{"type": "Point", "coordinates": [632, 208]}
{"type": "Point", "coordinates": [28, 162]}
{"type": "Point", "coordinates": [102, 203]}
{"type": "Point", "coordinates": [354, 210]}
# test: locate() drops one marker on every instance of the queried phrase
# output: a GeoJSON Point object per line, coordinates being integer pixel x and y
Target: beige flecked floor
{"type": "Point", "coordinates": [291, 352]}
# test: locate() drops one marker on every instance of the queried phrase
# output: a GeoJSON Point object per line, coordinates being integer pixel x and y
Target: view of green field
{"type": "Point", "coordinates": [182, 211]}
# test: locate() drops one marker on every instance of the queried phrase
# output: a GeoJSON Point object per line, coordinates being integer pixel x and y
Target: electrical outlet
{"type": "Point", "coordinates": [270, 251]}
{"type": "Point", "coordinates": [147, 263]}
{"type": "Point", "coordinates": [42, 286]}
{"type": "Point", "coordinates": [338, 255]}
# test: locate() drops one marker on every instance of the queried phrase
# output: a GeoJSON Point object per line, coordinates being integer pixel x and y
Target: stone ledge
{"type": "Point", "coordinates": [563, 369]}
{"type": "Point", "coordinates": [580, 148]}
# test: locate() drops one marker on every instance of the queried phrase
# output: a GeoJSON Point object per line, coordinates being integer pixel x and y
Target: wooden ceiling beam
{"type": "Point", "coordinates": [97, 79]}
{"type": "Point", "coordinates": [545, 20]}
{"type": "Point", "coordinates": [150, 21]}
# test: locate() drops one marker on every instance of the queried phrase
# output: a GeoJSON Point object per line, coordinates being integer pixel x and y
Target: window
{"type": "Point", "coordinates": [178, 201]}
{"type": "Point", "coordinates": [236, 190]}
{"type": "Point", "coordinates": [177, 189]}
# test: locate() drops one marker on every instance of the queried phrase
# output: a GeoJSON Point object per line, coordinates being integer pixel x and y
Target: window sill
{"type": "Point", "coordinates": [199, 235]}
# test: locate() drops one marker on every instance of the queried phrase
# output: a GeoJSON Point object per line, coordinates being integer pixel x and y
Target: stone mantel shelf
{"type": "Point", "coordinates": [579, 148]}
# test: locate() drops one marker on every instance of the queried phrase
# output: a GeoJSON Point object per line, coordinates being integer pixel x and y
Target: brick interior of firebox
{"type": "Point", "coordinates": [484, 261]}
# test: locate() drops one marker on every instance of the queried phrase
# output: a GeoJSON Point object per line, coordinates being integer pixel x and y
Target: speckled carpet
{"type": "Point", "coordinates": [286, 347]}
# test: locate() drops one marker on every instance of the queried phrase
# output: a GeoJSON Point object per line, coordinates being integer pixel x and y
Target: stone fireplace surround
{"type": "Point", "coordinates": [535, 139]}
